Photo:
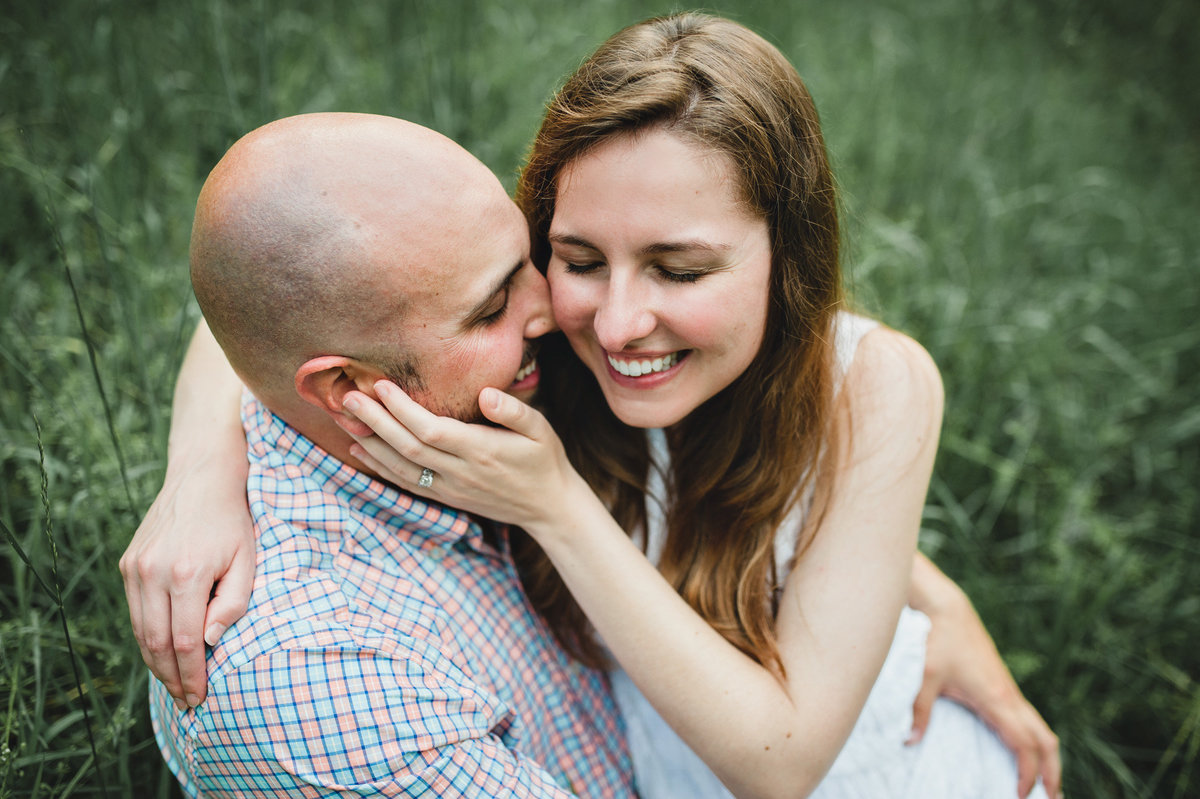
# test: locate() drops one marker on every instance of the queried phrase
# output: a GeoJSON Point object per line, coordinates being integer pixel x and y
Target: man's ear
{"type": "Point", "coordinates": [325, 381]}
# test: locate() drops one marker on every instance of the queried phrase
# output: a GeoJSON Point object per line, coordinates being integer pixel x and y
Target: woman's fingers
{"type": "Point", "coordinates": [425, 425]}
{"type": "Point", "coordinates": [489, 470]}
{"type": "Point", "coordinates": [379, 457]}
{"type": "Point", "coordinates": [1030, 739]}
{"type": "Point", "coordinates": [505, 409]}
{"type": "Point", "coordinates": [373, 464]}
{"type": "Point", "coordinates": [1049, 763]}
{"type": "Point", "coordinates": [931, 688]}
{"type": "Point", "coordinates": [408, 444]}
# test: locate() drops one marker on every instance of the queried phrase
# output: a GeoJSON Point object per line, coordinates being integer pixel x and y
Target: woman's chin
{"type": "Point", "coordinates": [646, 413]}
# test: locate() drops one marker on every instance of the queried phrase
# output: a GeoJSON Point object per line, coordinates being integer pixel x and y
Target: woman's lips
{"type": "Point", "coordinates": [646, 371]}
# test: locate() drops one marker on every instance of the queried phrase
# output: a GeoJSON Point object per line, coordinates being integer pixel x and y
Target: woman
{"type": "Point", "coordinates": [684, 208]}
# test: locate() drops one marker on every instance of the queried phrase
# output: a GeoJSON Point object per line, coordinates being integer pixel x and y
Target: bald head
{"type": "Point", "coordinates": [305, 230]}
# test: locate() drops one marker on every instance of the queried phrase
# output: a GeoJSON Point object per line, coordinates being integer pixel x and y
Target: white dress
{"type": "Point", "coordinates": [958, 758]}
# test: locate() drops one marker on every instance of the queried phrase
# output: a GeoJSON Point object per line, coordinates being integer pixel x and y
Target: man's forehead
{"type": "Point", "coordinates": [455, 292]}
{"type": "Point", "coordinates": [491, 260]}
{"type": "Point", "coordinates": [460, 258]}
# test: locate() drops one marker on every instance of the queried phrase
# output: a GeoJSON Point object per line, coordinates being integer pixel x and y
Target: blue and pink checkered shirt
{"type": "Point", "coordinates": [388, 650]}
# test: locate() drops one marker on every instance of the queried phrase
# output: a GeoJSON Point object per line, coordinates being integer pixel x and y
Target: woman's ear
{"type": "Point", "coordinates": [325, 381]}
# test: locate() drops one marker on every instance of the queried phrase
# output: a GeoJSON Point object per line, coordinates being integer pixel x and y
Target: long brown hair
{"type": "Point", "coordinates": [745, 457]}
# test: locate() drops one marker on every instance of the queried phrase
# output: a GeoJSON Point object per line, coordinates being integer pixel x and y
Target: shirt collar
{"type": "Point", "coordinates": [384, 502]}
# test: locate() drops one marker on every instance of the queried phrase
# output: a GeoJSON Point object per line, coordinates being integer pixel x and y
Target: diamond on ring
{"type": "Point", "coordinates": [426, 478]}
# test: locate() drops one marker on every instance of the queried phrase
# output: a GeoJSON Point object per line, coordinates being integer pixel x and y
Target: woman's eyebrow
{"type": "Point", "coordinates": [657, 248]}
{"type": "Point", "coordinates": [571, 240]}
{"type": "Point", "coordinates": [689, 245]}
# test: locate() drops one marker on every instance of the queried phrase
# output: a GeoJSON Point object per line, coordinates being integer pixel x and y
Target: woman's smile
{"type": "Point", "coordinates": [639, 366]}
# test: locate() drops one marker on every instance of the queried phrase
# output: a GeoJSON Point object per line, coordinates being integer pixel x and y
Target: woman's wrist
{"type": "Point", "coordinates": [564, 515]}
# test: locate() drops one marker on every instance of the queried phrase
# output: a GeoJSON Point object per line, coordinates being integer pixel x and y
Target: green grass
{"type": "Point", "coordinates": [1019, 184]}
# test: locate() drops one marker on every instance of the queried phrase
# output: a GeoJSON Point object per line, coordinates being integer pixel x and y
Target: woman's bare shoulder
{"type": "Point", "coordinates": [893, 386]}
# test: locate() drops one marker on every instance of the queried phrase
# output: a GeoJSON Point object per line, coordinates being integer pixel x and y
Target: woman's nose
{"type": "Point", "coordinates": [625, 315]}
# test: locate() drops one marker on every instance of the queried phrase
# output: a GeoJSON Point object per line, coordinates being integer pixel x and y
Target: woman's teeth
{"type": "Point", "coordinates": [645, 366]}
{"type": "Point", "coordinates": [525, 371]}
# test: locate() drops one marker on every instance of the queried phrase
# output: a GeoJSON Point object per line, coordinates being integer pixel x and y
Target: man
{"type": "Point", "coordinates": [387, 648]}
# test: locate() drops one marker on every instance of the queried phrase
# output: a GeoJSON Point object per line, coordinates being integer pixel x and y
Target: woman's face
{"type": "Point", "coordinates": [659, 275]}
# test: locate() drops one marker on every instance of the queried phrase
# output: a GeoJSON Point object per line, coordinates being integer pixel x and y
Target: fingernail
{"type": "Point", "coordinates": [214, 633]}
{"type": "Point", "coordinates": [350, 403]}
{"type": "Point", "coordinates": [193, 700]}
{"type": "Point", "coordinates": [181, 706]}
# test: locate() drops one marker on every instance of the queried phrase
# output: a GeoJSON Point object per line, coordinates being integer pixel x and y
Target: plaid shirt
{"type": "Point", "coordinates": [388, 650]}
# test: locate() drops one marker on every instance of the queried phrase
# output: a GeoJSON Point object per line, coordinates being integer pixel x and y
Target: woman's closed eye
{"type": "Point", "coordinates": [581, 268]}
{"type": "Point", "coordinates": [668, 274]}
{"type": "Point", "coordinates": [679, 276]}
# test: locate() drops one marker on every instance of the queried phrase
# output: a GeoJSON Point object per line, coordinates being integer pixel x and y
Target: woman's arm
{"type": "Point", "coordinates": [962, 663]}
{"type": "Point", "coordinates": [762, 734]}
{"type": "Point", "coordinates": [197, 539]}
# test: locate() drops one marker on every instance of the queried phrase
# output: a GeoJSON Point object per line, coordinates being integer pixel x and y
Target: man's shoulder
{"type": "Point", "coordinates": [322, 708]}
{"type": "Point", "coordinates": [324, 590]}
{"type": "Point", "coordinates": [307, 679]}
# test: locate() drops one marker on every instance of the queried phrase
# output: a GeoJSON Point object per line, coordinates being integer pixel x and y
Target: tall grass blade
{"type": "Point", "coordinates": [62, 612]}
{"type": "Point", "coordinates": [91, 348]}
{"type": "Point", "coordinates": [15, 543]}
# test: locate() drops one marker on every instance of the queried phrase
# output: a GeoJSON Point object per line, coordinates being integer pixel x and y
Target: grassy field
{"type": "Point", "coordinates": [1019, 182]}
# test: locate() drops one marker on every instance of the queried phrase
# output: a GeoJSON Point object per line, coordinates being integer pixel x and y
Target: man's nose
{"type": "Point", "coordinates": [624, 315]}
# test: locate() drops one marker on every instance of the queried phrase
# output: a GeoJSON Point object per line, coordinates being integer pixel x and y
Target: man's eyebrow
{"type": "Point", "coordinates": [481, 308]}
{"type": "Point", "coordinates": [657, 248]}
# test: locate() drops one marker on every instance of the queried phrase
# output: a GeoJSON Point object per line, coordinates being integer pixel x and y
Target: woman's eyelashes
{"type": "Point", "coordinates": [680, 276]}
{"type": "Point", "coordinates": [582, 268]}
{"type": "Point", "coordinates": [667, 273]}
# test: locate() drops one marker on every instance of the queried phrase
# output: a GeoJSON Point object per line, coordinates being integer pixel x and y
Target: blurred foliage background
{"type": "Point", "coordinates": [1019, 181]}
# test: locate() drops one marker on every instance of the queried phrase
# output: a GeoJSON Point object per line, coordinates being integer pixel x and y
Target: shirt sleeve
{"type": "Point", "coordinates": [355, 722]}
